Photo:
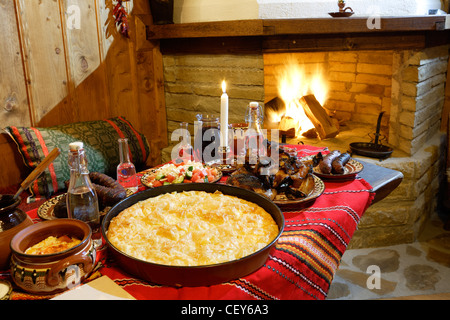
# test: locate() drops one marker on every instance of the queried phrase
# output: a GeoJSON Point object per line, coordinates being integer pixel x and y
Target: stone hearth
{"type": "Point", "coordinates": [400, 217]}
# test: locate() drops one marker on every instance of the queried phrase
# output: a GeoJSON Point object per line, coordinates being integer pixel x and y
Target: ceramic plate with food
{"type": "Point", "coordinates": [319, 187]}
{"type": "Point", "coordinates": [289, 182]}
{"type": "Point", "coordinates": [47, 211]}
{"type": "Point", "coordinates": [172, 173]}
{"type": "Point", "coordinates": [349, 169]}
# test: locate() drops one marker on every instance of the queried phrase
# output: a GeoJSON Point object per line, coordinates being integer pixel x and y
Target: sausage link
{"type": "Point", "coordinates": [325, 165]}
{"type": "Point", "coordinates": [339, 163]}
{"type": "Point", "coordinates": [109, 196]}
{"type": "Point", "coordinates": [104, 180]}
{"type": "Point", "coordinates": [109, 191]}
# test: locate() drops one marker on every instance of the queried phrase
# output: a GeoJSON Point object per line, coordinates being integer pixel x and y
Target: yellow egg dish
{"type": "Point", "coordinates": [192, 228]}
{"type": "Point", "coordinates": [53, 245]}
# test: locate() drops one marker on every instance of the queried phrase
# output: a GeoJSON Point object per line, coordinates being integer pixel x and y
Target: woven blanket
{"type": "Point", "coordinates": [300, 266]}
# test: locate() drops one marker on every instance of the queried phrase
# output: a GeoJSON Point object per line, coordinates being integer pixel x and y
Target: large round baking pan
{"type": "Point", "coordinates": [193, 275]}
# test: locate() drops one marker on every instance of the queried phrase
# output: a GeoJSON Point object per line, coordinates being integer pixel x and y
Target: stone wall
{"type": "Point", "coordinates": [360, 84]}
{"type": "Point", "coordinates": [418, 94]}
{"type": "Point", "coordinates": [418, 86]}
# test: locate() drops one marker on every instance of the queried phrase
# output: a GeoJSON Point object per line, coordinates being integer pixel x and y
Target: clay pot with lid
{"type": "Point", "coordinates": [12, 220]}
{"type": "Point", "coordinates": [56, 272]}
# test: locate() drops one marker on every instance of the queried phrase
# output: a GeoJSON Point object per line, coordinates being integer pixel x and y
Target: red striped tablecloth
{"type": "Point", "coordinates": [300, 266]}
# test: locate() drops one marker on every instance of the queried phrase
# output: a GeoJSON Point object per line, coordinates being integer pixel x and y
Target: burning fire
{"type": "Point", "coordinates": [293, 83]}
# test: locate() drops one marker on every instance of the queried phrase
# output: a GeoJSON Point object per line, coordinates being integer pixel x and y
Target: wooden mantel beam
{"type": "Point", "coordinates": [353, 25]}
{"type": "Point", "coordinates": [235, 28]}
{"type": "Point", "coordinates": [272, 27]}
{"type": "Point", "coordinates": [315, 34]}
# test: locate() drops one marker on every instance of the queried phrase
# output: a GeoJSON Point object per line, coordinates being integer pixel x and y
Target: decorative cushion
{"type": "Point", "coordinates": [100, 144]}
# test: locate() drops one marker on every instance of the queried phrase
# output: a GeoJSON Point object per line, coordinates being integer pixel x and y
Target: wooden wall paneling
{"type": "Point", "coordinates": [104, 27]}
{"type": "Point", "coordinates": [82, 41]}
{"type": "Point", "coordinates": [152, 102]}
{"type": "Point", "coordinates": [13, 94]}
{"type": "Point", "coordinates": [136, 115]}
{"type": "Point", "coordinates": [117, 64]}
{"type": "Point", "coordinates": [87, 85]}
{"type": "Point", "coordinates": [70, 75]}
{"type": "Point", "coordinates": [150, 84]}
{"type": "Point", "coordinates": [104, 42]}
{"type": "Point", "coordinates": [44, 60]}
{"type": "Point", "coordinates": [134, 75]}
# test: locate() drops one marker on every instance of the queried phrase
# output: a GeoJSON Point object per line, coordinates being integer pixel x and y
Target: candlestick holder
{"type": "Point", "coordinates": [343, 11]}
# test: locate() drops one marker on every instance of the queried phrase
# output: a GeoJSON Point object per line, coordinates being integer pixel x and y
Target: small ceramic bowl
{"type": "Point", "coordinates": [12, 220]}
{"type": "Point", "coordinates": [56, 272]}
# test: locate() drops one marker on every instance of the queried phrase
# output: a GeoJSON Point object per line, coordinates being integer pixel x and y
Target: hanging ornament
{"type": "Point", "coordinates": [121, 18]}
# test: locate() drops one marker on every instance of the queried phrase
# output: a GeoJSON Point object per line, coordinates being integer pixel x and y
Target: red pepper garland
{"type": "Point", "coordinates": [120, 15]}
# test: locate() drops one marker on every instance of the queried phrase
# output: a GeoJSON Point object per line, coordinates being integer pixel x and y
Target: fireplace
{"type": "Point", "coordinates": [295, 91]}
{"type": "Point", "coordinates": [402, 74]}
{"type": "Point", "coordinates": [356, 86]}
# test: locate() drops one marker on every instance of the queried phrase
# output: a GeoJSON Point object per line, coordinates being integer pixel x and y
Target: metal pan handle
{"type": "Point", "coordinates": [377, 132]}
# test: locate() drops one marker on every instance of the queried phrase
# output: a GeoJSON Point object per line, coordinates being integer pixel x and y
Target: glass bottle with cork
{"type": "Point", "coordinates": [126, 171]}
{"type": "Point", "coordinates": [81, 199]}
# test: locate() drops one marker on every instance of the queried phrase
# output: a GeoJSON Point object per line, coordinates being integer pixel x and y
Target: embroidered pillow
{"type": "Point", "coordinates": [100, 142]}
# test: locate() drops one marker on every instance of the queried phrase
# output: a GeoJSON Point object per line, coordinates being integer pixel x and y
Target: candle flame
{"type": "Point", "coordinates": [224, 86]}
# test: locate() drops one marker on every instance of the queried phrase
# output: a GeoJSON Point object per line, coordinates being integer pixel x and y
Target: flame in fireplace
{"type": "Point", "coordinates": [294, 82]}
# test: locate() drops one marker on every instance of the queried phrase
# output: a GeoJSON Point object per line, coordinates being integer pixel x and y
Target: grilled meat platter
{"type": "Point", "coordinates": [290, 178]}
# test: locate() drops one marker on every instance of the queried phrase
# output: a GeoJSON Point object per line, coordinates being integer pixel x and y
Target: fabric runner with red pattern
{"type": "Point", "coordinates": [300, 266]}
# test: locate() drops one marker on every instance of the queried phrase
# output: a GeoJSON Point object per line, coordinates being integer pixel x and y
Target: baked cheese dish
{"type": "Point", "coordinates": [192, 228]}
{"type": "Point", "coordinates": [53, 245]}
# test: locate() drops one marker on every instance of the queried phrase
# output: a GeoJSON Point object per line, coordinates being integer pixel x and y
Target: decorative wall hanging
{"type": "Point", "coordinates": [121, 18]}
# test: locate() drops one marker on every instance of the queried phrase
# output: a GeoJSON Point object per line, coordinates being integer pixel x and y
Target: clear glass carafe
{"type": "Point", "coordinates": [81, 199]}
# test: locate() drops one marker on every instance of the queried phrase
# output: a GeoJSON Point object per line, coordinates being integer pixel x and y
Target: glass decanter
{"type": "Point", "coordinates": [126, 171]}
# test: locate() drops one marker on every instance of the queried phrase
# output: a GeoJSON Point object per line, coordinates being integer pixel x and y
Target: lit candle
{"type": "Point", "coordinates": [224, 116]}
